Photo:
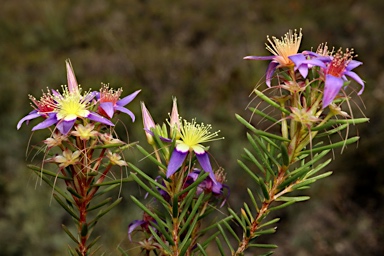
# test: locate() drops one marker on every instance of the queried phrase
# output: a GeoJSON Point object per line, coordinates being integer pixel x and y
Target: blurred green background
{"type": "Point", "coordinates": [192, 50]}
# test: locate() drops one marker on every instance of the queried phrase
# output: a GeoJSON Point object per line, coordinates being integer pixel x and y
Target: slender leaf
{"type": "Point", "coordinates": [160, 223]}
{"type": "Point", "coordinates": [306, 182]}
{"type": "Point", "coordinates": [281, 206]}
{"type": "Point", "coordinates": [241, 223]}
{"type": "Point", "coordinates": [262, 114]}
{"type": "Point", "coordinates": [265, 232]}
{"type": "Point", "coordinates": [255, 178]}
{"type": "Point", "coordinates": [332, 131]}
{"type": "Point", "coordinates": [103, 212]}
{"type": "Point", "coordinates": [271, 102]}
{"type": "Point", "coordinates": [293, 198]}
{"type": "Point", "coordinates": [66, 230]}
{"type": "Point", "coordinates": [225, 238]}
{"type": "Point", "coordinates": [41, 170]}
{"type": "Point", "coordinates": [150, 157]}
{"type": "Point", "coordinates": [233, 233]}
{"type": "Point", "coordinates": [160, 241]}
{"type": "Point", "coordinates": [215, 224]}
{"type": "Point", "coordinates": [264, 189]}
{"type": "Point", "coordinates": [65, 206]}
{"type": "Point", "coordinates": [145, 176]}
{"type": "Point", "coordinates": [253, 200]}
{"type": "Point", "coordinates": [284, 154]}
{"type": "Point", "coordinates": [201, 249]}
{"type": "Point", "coordinates": [150, 191]}
{"type": "Point", "coordinates": [109, 188]}
{"type": "Point", "coordinates": [94, 241]}
{"type": "Point", "coordinates": [259, 132]}
{"type": "Point", "coordinates": [219, 246]}
{"type": "Point", "coordinates": [333, 145]}
{"type": "Point", "coordinates": [192, 214]}
{"type": "Point", "coordinates": [333, 122]}
{"type": "Point", "coordinates": [101, 204]}
{"type": "Point", "coordinates": [270, 246]}
{"type": "Point", "coordinates": [269, 223]}
{"type": "Point", "coordinates": [113, 182]}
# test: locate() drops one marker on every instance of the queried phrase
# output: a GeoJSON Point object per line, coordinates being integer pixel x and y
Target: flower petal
{"type": "Point", "coordinates": [108, 108]}
{"type": "Point", "coordinates": [132, 226]}
{"type": "Point", "coordinates": [34, 114]}
{"type": "Point", "coordinates": [46, 123]}
{"type": "Point", "coordinates": [270, 70]}
{"type": "Point", "coordinates": [353, 64]}
{"type": "Point", "coordinates": [357, 78]}
{"type": "Point", "coordinates": [297, 59]}
{"type": "Point", "coordinates": [177, 159]}
{"type": "Point", "coordinates": [206, 165]}
{"type": "Point", "coordinates": [97, 118]}
{"type": "Point", "coordinates": [65, 126]}
{"type": "Point", "coordinates": [331, 89]}
{"type": "Point", "coordinates": [160, 137]}
{"type": "Point", "coordinates": [259, 57]}
{"type": "Point", "coordinates": [147, 118]}
{"type": "Point", "coordinates": [303, 69]}
{"type": "Point", "coordinates": [124, 101]}
{"type": "Point", "coordinates": [73, 86]}
{"type": "Point", "coordinates": [126, 111]}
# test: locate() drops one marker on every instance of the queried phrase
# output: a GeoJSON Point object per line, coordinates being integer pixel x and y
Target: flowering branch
{"type": "Point", "coordinates": [82, 134]}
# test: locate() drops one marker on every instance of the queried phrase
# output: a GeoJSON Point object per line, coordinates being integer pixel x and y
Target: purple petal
{"type": "Point", "coordinates": [134, 224]}
{"type": "Point", "coordinates": [259, 57]}
{"type": "Point", "coordinates": [108, 108]}
{"type": "Point", "coordinates": [90, 96]}
{"type": "Point", "coordinates": [65, 126]}
{"type": "Point", "coordinates": [98, 118]}
{"type": "Point", "coordinates": [217, 188]}
{"type": "Point", "coordinates": [161, 138]}
{"type": "Point", "coordinates": [56, 93]}
{"type": "Point", "coordinates": [206, 165]}
{"type": "Point", "coordinates": [315, 62]}
{"type": "Point", "coordinates": [72, 83]}
{"type": "Point", "coordinates": [177, 159]}
{"type": "Point", "coordinates": [331, 89]}
{"type": "Point", "coordinates": [34, 114]}
{"type": "Point", "coordinates": [124, 101]}
{"type": "Point", "coordinates": [303, 69]}
{"type": "Point", "coordinates": [194, 175]}
{"type": "Point", "coordinates": [357, 78]}
{"type": "Point", "coordinates": [353, 64]}
{"type": "Point", "coordinates": [126, 111]}
{"type": "Point", "coordinates": [270, 70]}
{"type": "Point", "coordinates": [46, 123]}
{"type": "Point", "coordinates": [297, 59]}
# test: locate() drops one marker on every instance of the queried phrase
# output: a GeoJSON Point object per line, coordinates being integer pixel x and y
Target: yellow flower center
{"type": "Point", "coordinates": [192, 134]}
{"type": "Point", "coordinates": [285, 47]}
{"type": "Point", "coordinates": [71, 105]}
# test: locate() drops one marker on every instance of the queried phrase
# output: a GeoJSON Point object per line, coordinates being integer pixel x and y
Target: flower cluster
{"type": "Point", "coordinates": [64, 109]}
{"type": "Point", "coordinates": [84, 137]}
{"type": "Point", "coordinates": [332, 67]}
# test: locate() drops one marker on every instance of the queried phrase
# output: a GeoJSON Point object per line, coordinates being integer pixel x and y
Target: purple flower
{"type": "Point", "coordinates": [281, 50]}
{"type": "Point", "coordinates": [304, 62]}
{"type": "Point", "coordinates": [64, 109]}
{"type": "Point", "coordinates": [144, 224]}
{"type": "Point", "coordinates": [110, 102]}
{"type": "Point", "coordinates": [208, 185]}
{"type": "Point", "coordinates": [340, 66]}
{"type": "Point", "coordinates": [191, 137]}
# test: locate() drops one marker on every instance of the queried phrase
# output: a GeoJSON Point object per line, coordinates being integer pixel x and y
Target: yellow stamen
{"type": "Point", "coordinates": [285, 47]}
{"type": "Point", "coordinates": [71, 105]}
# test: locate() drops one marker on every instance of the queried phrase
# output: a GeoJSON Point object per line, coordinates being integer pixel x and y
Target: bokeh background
{"type": "Point", "coordinates": [192, 50]}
